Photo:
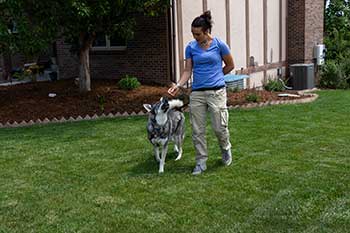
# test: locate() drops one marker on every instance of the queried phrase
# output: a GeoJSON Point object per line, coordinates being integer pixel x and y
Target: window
{"type": "Point", "coordinates": [104, 42]}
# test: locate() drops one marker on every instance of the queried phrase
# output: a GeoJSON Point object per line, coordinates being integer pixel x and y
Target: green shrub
{"type": "Point", "coordinates": [331, 75]}
{"type": "Point", "coordinates": [101, 99]}
{"type": "Point", "coordinates": [233, 89]}
{"type": "Point", "coordinates": [129, 83]}
{"type": "Point", "coordinates": [252, 97]}
{"type": "Point", "coordinates": [345, 67]}
{"type": "Point", "coordinates": [273, 85]}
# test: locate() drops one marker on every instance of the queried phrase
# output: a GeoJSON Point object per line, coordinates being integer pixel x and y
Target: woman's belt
{"type": "Point", "coordinates": [209, 88]}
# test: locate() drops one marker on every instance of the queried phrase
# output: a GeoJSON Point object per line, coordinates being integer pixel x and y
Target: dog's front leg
{"type": "Point", "coordinates": [162, 159]}
{"type": "Point", "coordinates": [156, 153]}
{"type": "Point", "coordinates": [179, 153]}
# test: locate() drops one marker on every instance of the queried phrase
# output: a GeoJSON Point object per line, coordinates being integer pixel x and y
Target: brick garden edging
{"type": "Point", "coordinates": [312, 97]}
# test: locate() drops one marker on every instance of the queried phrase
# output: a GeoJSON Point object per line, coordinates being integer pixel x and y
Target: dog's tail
{"type": "Point", "coordinates": [175, 103]}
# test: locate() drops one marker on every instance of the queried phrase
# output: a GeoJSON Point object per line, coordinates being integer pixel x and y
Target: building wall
{"type": "Point", "coordinates": [273, 31]}
{"type": "Point", "coordinates": [314, 18]}
{"type": "Point", "coordinates": [219, 28]}
{"type": "Point", "coordinates": [283, 20]}
{"type": "Point", "coordinates": [238, 33]}
{"type": "Point", "coordinates": [146, 56]}
{"type": "Point", "coordinates": [256, 28]}
{"type": "Point", "coordinates": [256, 31]}
{"type": "Point", "coordinates": [67, 62]}
{"type": "Point", "coordinates": [305, 29]}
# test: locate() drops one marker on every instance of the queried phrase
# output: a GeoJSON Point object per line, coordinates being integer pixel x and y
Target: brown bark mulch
{"type": "Point", "coordinates": [31, 101]}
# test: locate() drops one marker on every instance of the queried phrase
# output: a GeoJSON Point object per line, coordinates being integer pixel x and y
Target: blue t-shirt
{"type": "Point", "coordinates": [207, 64]}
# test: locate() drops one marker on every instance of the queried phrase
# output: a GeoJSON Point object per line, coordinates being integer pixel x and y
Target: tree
{"type": "Point", "coordinates": [23, 30]}
{"type": "Point", "coordinates": [77, 20]}
{"type": "Point", "coordinates": [337, 28]}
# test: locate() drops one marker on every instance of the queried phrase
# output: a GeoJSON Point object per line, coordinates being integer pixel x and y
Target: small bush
{"type": "Point", "coordinates": [345, 67]}
{"type": "Point", "coordinates": [101, 102]}
{"type": "Point", "coordinates": [252, 97]}
{"type": "Point", "coordinates": [331, 75]}
{"type": "Point", "coordinates": [233, 89]}
{"type": "Point", "coordinates": [23, 74]}
{"type": "Point", "coordinates": [274, 85]}
{"type": "Point", "coordinates": [129, 83]}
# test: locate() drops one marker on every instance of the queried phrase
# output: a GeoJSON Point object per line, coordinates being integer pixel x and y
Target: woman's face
{"type": "Point", "coordinates": [198, 34]}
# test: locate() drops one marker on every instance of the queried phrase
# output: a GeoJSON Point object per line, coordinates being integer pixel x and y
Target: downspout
{"type": "Point", "coordinates": [172, 42]}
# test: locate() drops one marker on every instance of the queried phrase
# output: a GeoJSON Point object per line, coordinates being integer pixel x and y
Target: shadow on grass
{"type": "Point", "coordinates": [149, 166]}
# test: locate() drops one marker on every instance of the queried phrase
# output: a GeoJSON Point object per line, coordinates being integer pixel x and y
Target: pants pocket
{"type": "Point", "coordinates": [224, 117]}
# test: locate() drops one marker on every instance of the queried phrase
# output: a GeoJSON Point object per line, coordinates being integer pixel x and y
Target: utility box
{"type": "Point", "coordinates": [302, 76]}
{"type": "Point", "coordinates": [234, 81]}
{"type": "Point", "coordinates": [320, 54]}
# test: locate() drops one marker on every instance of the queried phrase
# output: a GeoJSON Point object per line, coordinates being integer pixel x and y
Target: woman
{"type": "Point", "coordinates": [204, 57]}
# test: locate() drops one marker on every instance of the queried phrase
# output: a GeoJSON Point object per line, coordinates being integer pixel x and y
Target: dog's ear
{"type": "Point", "coordinates": [148, 107]}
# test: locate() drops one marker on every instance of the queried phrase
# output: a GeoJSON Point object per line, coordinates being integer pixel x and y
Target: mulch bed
{"type": "Point", "coordinates": [31, 101]}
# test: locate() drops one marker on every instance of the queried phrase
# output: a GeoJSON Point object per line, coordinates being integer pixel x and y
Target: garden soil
{"type": "Point", "coordinates": [32, 101]}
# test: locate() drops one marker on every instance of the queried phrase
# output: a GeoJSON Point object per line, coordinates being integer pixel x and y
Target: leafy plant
{"type": "Point", "coordinates": [335, 74]}
{"type": "Point", "coordinates": [273, 85]}
{"type": "Point", "coordinates": [101, 102]}
{"type": "Point", "coordinates": [23, 74]}
{"type": "Point", "coordinates": [252, 97]}
{"type": "Point", "coordinates": [233, 89]}
{"type": "Point", "coordinates": [129, 83]}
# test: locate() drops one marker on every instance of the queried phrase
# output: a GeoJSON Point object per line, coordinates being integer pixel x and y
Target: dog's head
{"type": "Point", "coordinates": [161, 108]}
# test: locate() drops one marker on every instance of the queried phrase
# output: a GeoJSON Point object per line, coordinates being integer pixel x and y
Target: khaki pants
{"type": "Point", "coordinates": [214, 102]}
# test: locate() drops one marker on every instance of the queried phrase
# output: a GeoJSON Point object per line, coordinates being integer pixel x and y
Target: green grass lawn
{"type": "Point", "coordinates": [291, 173]}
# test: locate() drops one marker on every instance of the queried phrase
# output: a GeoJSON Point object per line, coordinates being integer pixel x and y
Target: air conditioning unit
{"type": "Point", "coordinates": [302, 76]}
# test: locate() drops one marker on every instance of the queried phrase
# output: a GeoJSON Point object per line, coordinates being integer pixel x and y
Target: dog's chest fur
{"type": "Point", "coordinates": [161, 133]}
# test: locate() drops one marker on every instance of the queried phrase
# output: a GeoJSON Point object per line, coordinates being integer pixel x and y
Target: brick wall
{"type": "Point", "coordinates": [68, 63]}
{"type": "Point", "coordinates": [146, 56]}
{"type": "Point", "coordinates": [305, 29]}
{"type": "Point", "coordinates": [314, 24]}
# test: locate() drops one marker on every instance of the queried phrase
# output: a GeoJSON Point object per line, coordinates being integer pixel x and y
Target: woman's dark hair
{"type": "Point", "coordinates": [204, 21]}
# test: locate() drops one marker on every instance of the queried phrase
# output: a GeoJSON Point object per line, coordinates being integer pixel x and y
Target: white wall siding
{"type": "Point", "coordinates": [271, 74]}
{"type": "Point", "coordinates": [238, 33]}
{"type": "Point", "coordinates": [273, 31]}
{"type": "Point", "coordinates": [217, 8]}
{"type": "Point", "coordinates": [256, 79]}
{"type": "Point", "coordinates": [284, 30]}
{"type": "Point", "coordinates": [256, 30]}
{"type": "Point", "coordinates": [267, 40]}
{"type": "Point", "coordinates": [190, 10]}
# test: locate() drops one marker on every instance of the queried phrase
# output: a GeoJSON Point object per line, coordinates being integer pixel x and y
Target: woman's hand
{"type": "Point", "coordinates": [173, 90]}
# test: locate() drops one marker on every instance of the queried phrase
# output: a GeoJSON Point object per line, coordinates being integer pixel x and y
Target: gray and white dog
{"type": "Point", "coordinates": [165, 123]}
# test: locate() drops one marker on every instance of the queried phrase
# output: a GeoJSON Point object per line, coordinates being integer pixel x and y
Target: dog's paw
{"type": "Point", "coordinates": [178, 157]}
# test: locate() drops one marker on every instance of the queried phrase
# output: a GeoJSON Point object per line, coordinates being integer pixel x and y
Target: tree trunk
{"type": "Point", "coordinates": [84, 66]}
{"type": "Point", "coordinates": [84, 71]}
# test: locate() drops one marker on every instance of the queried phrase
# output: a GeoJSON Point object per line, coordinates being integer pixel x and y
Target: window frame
{"type": "Point", "coordinates": [108, 46]}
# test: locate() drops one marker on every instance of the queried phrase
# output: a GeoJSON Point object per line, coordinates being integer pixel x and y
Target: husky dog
{"type": "Point", "coordinates": [165, 123]}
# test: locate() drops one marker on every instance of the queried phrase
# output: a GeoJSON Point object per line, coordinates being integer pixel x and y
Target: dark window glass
{"type": "Point", "coordinates": [100, 40]}
{"type": "Point", "coordinates": [117, 41]}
